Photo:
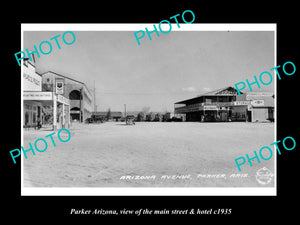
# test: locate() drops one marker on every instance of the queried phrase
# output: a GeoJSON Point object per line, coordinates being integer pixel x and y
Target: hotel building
{"type": "Point", "coordinates": [226, 105]}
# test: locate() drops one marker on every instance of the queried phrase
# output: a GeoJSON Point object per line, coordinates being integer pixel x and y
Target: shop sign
{"type": "Point", "coordinates": [63, 100]}
{"type": "Point", "coordinates": [32, 79]}
{"type": "Point", "coordinates": [59, 86]}
{"type": "Point", "coordinates": [210, 107]}
{"type": "Point", "coordinates": [39, 95]}
{"type": "Point", "coordinates": [242, 103]}
{"type": "Point", "coordinates": [259, 102]}
{"type": "Point", "coordinates": [255, 95]}
{"type": "Point", "coordinates": [227, 92]}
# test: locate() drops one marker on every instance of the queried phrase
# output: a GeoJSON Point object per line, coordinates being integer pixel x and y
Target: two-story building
{"type": "Point", "coordinates": [224, 105]}
{"type": "Point", "coordinates": [81, 100]}
{"type": "Point", "coordinates": [42, 108]}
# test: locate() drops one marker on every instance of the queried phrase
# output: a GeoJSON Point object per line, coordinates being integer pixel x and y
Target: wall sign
{"type": "Point", "coordinates": [59, 86]}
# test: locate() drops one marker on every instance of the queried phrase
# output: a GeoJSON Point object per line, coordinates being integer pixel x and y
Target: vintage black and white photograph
{"type": "Point", "coordinates": [107, 115]}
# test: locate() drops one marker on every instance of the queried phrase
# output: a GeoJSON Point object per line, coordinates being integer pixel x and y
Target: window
{"type": "Point", "coordinates": [26, 118]}
{"type": "Point", "coordinates": [75, 95]}
{"type": "Point", "coordinates": [33, 117]}
{"type": "Point", "coordinates": [207, 100]}
{"type": "Point", "coordinates": [270, 113]}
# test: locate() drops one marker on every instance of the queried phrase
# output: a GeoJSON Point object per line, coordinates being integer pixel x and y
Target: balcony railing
{"type": "Point", "coordinates": [200, 106]}
{"type": "Point", "coordinates": [188, 108]}
{"type": "Point", "coordinates": [221, 104]}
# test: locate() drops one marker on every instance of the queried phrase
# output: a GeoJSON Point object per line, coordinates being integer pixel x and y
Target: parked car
{"type": "Point", "coordinates": [175, 119]}
{"type": "Point", "coordinates": [130, 120]}
{"type": "Point", "coordinates": [94, 120]}
{"type": "Point", "coordinates": [89, 120]}
{"type": "Point", "coordinates": [98, 119]}
{"type": "Point", "coordinates": [208, 118]}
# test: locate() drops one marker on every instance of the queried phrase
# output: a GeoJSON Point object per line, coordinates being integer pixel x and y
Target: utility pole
{"type": "Point", "coordinates": [94, 97]}
{"type": "Point", "coordinates": [125, 114]}
{"type": "Point", "coordinates": [125, 109]}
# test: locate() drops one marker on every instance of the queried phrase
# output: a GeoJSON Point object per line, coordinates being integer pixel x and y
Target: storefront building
{"type": "Point", "coordinates": [262, 106]}
{"type": "Point", "coordinates": [42, 108]}
{"type": "Point", "coordinates": [224, 105]}
{"type": "Point", "coordinates": [81, 105]}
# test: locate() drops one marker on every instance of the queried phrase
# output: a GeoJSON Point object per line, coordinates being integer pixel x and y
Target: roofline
{"type": "Point", "coordinates": [106, 112]}
{"type": "Point", "coordinates": [182, 102]}
{"type": "Point", "coordinates": [207, 94]}
{"type": "Point", "coordinates": [219, 89]}
{"type": "Point", "coordinates": [69, 79]}
{"type": "Point", "coordinates": [49, 71]}
{"type": "Point", "coordinates": [29, 62]}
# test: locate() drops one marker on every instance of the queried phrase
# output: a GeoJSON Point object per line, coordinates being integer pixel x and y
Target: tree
{"type": "Point", "coordinates": [140, 116]}
{"type": "Point", "coordinates": [150, 116]}
{"type": "Point", "coordinates": [158, 117]}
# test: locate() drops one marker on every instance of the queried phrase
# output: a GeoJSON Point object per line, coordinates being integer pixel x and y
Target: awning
{"type": "Point", "coordinates": [44, 96]}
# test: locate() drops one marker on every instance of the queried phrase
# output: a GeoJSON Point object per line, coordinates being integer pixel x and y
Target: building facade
{"type": "Point", "coordinates": [42, 108]}
{"type": "Point", "coordinates": [262, 106]}
{"type": "Point", "coordinates": [225, 105]}
{"type": "Point", "coordinates": [32, 82]}
{"type": "Point", "coordinates": [81, 100]}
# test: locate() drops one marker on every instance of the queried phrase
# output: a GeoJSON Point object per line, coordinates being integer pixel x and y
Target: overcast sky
{"type": "Point", "coordinates": [159, 72]}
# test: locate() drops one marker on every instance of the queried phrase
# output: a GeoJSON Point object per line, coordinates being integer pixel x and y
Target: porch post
{"type": "Point", "coordinates": [69, 116]}
{"type": "Point", "coordinates": [54, 112]}
{"type": "Point", "coordinates": [63, 116]}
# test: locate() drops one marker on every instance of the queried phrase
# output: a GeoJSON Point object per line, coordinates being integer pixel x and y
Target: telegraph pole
{"type": "Point", "coordinates": [95, 108]}
{"type": "Point", "coordinates": [125, 109]}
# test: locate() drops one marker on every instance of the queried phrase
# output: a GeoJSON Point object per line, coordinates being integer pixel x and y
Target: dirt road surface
{"type": "Point", "coordinates": [156, 154]}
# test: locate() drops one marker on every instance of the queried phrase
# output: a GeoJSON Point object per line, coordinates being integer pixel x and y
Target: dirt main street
{"type": "Point", "coordinates": [149, 154]}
